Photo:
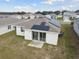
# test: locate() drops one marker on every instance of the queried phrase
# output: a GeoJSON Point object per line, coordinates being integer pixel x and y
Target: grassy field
{"type": "Point", "coordinates": [69, 42]}
{"type": "Point", "coordinates": [15, 47]}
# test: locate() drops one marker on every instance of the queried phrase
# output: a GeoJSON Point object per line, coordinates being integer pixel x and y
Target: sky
{"type": "Point", "coordinates": [38, 5]}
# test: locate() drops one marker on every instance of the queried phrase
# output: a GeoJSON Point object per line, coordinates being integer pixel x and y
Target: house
{"type": "Point", "coordinates": [22, 16]}
{"type": "Point", "coordinates": [50, 16]}
{"type": "Point", "coordinates": [77, 15]}
{"type": "Point", "coordinates": [59, 15]}
{"type": "Point", "coordinates": [28, 16]}
{"type": "Point", "coordinates": [7, 24]}
{"type": "Point", "coordinates": [68, 16]}
{"type": "Point", "coordinates": [39, 29]}
{"type": "Point", "coordinates": [76, 26]}
{"type": "Point", "coordinates": [53, 19]}
{"type": "Point", "coordinates": [39, 16]}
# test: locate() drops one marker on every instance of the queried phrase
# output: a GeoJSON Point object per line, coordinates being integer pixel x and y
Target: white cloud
{"type": "Point", "coordinates": [51, 1]}
{"type": "Point", "coordinates": [25, 8]}
{"type": "Point", "coordinates": [71, 6]}
{"type": "Point", "coordinates": [48, 2]}
{"type": "Point", "coordinates": [7, 0]}
{"type": "Point", "coordinates": [75, 0]}
{"type": "Point", "coordinates": [67, 7]}
{"type": "Point", "coordinates": [34, 4]}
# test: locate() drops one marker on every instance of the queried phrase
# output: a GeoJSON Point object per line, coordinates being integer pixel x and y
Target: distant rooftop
{"type": "Point", "coordinates": [8, 20]}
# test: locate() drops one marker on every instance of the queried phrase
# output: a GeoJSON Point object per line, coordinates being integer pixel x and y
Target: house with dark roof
{"type": "Point", "coordinates": [39, 29]}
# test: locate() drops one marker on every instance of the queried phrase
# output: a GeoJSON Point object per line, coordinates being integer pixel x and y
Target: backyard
{"type": "Point", "coordinates": [15, 47]}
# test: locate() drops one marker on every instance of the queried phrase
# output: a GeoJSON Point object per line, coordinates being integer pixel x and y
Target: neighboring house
{"type": "Point", "coordinates": [23, 16]}
{"type": "Point", "coordinates": [32, 16]}
{"type": "Point", "coordinates": [59, 15]}
{"type": "Point", "coordinates": [76, 26]}
{"type": "Point", "coordinates": [40, 29]}
{"type": "Point", "coordinates": [8, 24]}
{"type": "Point", "coordinates": [68, 16]}
{"type": "Point", "coordinates": [3, 16]}
{"type": "Point", "coordinates": [28, 16]}
{"type": "Point", "coordinates": [39, 16]}
{"type": "Point", "coordinates": [77, 15]}
{"type": "Point", "coordinates": [51, 16]}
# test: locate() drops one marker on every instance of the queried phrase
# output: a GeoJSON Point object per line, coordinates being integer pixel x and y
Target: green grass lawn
{"type": "Point", "coordinates": [69, 41]}
{"type": "Point", "coordinates": [15, 47]}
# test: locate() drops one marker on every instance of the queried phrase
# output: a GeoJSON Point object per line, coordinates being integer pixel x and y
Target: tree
{"type": "Point", "coordinates": [57, 12]}
{"type": "Point", "coordinates": [38, 12]}
{"type": "Point", "coordinates": [77, 11]}
{"type": "Point", "coordinates": [21, 13]}
{"type": "Point", "coordinates": [44, 12]}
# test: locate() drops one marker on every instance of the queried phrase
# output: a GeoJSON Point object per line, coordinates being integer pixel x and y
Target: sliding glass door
{"type": "Point", "coordinates": [42, 36]}
{"type": "Point", "coordinates": [34, 35]}
{"type": "Point", "coordinates": [38, 36]}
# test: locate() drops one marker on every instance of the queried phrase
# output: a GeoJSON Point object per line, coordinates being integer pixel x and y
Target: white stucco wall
{"type": "Point", "coordinates": [32, 17]}
{"type": "Point", "coordinates": [18, 31]}
{"type": "Point", "coordinates": [66, 19]}
{"type": "Point", "coordinates": [52, 38]}
{"type": "Point", "coordinates": [77, 16]}
{"type": "Point", "coordinates": [28, 35]}
{"type": "Point", "coordinates": [4, 29]}
{"type": "Point", "coordinates": [76, 29]}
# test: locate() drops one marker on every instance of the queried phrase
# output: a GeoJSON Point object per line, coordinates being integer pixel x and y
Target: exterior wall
{"type": "Point", "coordinates": [25, 17]}
{"type": "Point", "coordinates": [76, 29]}
{"type": "Point", "coordinates": [66, 19]}
{"type": "Point", "coordinates": [4, 29]}
{"type": "Point", "coordinates": [18, 31]}
{"type": "Point", "coordinates": [19, 16]}
{"type": "Point", "coordinates": [28, 35]}
{"type": "Point", "coordinates": [52, 38]}
{"type": "Point", "coordinates": [32, 17]}
{"type": "Point", "coordinates": [77, 16]}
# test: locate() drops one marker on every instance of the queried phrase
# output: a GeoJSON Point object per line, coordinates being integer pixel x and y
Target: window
{"type": "Point", "coordinates": [22, 29]}
{"type": "Point", "coordinates": [9, 27]}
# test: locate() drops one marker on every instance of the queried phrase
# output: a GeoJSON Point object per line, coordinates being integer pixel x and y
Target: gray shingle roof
{"type": "Point", "coordinates": [38, 24]}
{"type": "Point", "coordinates": [7, 21]}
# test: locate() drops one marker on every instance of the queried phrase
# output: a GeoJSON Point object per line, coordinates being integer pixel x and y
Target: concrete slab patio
{"type": "Point", "coordinates": [36, 44]}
